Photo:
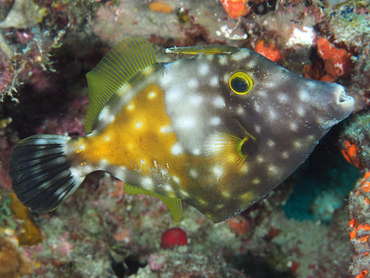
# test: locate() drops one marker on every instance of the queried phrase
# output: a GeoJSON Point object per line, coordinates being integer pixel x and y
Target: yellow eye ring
{"type": "Point", "coordinates": [240, 83]}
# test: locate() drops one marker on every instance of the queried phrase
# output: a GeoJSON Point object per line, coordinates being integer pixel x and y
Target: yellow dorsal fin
{"type": "Point", "coordinates": [205, 50]}
{"type": "Point", "coordinates": [173, 204]}
{"type": "Point", "coordinates": [120, 64]}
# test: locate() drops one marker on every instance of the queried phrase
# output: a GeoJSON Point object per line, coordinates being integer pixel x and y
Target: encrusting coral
{"type": "Point", "coordinates": [355, 147]}
{"type": "Point", "coordinates": [13, 263]}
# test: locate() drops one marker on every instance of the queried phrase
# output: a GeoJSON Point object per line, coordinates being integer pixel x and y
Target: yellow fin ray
{"type": "Point", "coordinates": [120, 64]}
{"type": "Point", "coordinates": [229, 150]}
{"type": "Point", "coordinates": [205, 50]}
{"type": "Point", "coordinates": [173, 204]}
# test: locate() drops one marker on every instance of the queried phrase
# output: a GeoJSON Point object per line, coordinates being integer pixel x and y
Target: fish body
{"type": "Point", "coordinates": [218, 131]}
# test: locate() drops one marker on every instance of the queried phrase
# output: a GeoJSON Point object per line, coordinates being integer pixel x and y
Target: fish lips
{"type": "Point", "coordinates": [339, 104]}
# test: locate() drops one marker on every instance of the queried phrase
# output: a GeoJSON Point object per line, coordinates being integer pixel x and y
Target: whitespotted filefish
{"type": "Point", "coordinates": [218, 130]}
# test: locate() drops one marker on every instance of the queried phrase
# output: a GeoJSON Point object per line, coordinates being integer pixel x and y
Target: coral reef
{"type": "Point", "coordinates": [160, 7]}
{"type": "Point", "coordinates": [299, 230]}
{"type": "Point", "coordinates": [355, 141]}
{"type": "Point", "coordinates": [13, 262]}
{"type": "Point", "coordinates": [187, 264]}
{"type": "Point", "coordinates": [359, 227]}
{"type": "Point", "coordinates": [236, 8]}
{"type": "Point", "coordinates": [268, 51]}
{"type": "Point", "coordinates": [23, 14]}
{"type": "Point", "coordinates": [337, 62]}
{"type": "Point", "coordinates": [26, 46]}
{"type": "Point", "coordinates": [355, 144]}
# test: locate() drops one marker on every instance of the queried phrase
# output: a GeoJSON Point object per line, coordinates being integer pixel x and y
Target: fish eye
{"type": "Point", "coordinates": [240, 83]}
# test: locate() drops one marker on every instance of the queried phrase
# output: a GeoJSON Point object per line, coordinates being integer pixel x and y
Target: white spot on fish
{"type": "Point", "coordinates": [311, 84]}
{"type": "Point", "coordinates": [310, 137]}
{"type": "Point", "coordinates": [196, 151]}
{"type": "Point", "coordinates": [176, 149]}
{"type": "Point", "coordinates": [285, 155]}
{"type": "Point", "coordinates": [252, 63]}
{"type": "Point", "coordinates": [173, 95]}
{"type": "Point", "coordinates": [151, 95]}
{"type": "Point", "coordinates": [320, 120]}
{"type": "Point", "coordinates": [138, 124]}
{"type": "Point", "coordinates": [270, 143]}
{"type": "Point", "coordinates": [215, 121]}
{"type": "Point", "coordinates": [244, 169]}
{"type": "Point", "coordinates": [147, 183]}
{"type": "Point", "coordinates": [272, 114]}
{"type": "Point", "coordinates": [256, 181]}
{"type": "Point", "coordinates": [269, 84]}
{"type": "Point", "coordinates": [301, 111]}
{"type": "Point", "coordinates": [257, 107]}
{"type": "Point", "coordinates": [203, 202]}
{"type": "Point", "coordinates": [242, 54]}
{"type": "Point", "coordinates": [130, 107]}
{"type": "Point", "coordinates": [203, 69]}
{"type": "Point", "coordinates": [272, 170]}
{"type": "Point", "coordinates": [260, 159]}
{"type": "Point", "coordinates": [106, 138]}
{"type": "Point", "coordinates": [226, 194]}
{"type": "Point", "coordinates": [293, 126]}
{"type": "Point", "coordinates": [213, 81]}
{"type": "Point", "coordinates": [220, 206]}
{"type": "Point", "coordinates": [106, 116]}
{"type": "Point", "coordinates": [217, 171]}
{"type": "Point", "coordinates": [184, 193]}
{"type": "Point", "coordinates": [257, 128]}
{"type": "Point", "coordinates": [219, 102]}
{"type": "Point", "coordinates": [303, 95]}
{"type": "Point", "coordinates": [226, 78]}
{"type": "Point", "coordinates": [167, 188]}
{"type": "Point", "coordinates": [223, 60]}
{"type": "Point", "coordinates": [297, 144]}
{"type": "Point", "coordinates": [176, 179]}
{"type": "Point", "coordinates": [147, 71]}
{"type": "Point", "coordinates": [240, 111]}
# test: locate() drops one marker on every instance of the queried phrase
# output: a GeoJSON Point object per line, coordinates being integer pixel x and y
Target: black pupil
{"type": "Point", "coordinates": [239, 84]}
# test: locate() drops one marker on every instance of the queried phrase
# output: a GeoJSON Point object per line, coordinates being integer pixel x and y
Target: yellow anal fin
{"type": "Point", "coordinates": [205, 50]}
{"type": "Point", "coordinates": [173, 204]}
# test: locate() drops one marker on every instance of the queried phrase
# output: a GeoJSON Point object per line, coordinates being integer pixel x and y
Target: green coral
{"type": "Point", "coordinates": [6, 219]}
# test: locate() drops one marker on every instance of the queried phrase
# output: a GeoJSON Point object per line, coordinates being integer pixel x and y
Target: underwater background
{"type": "Point", "coordinates": [315, 224]}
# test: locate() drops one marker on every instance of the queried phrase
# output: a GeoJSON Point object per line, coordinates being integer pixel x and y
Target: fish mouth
{"type": "Point", "coordinates": [346, 102]}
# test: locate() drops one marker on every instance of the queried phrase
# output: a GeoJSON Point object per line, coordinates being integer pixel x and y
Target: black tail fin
{"type": "Point", "coordinates": [40, 172]}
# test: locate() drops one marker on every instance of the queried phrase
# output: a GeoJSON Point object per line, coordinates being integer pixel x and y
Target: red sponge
{"type": "Point", "coordinates": [174, 237]}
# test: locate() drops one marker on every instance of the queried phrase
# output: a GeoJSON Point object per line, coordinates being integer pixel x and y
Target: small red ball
{"type": "Point", "coordinates": [174, 237]}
